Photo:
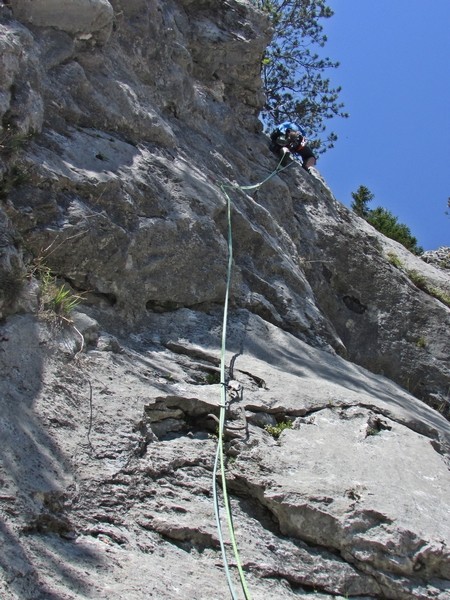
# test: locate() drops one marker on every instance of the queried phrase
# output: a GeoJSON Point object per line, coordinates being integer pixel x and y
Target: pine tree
{"type": "Point", "coordinates": [295, 87]}
{"type": "Point", "coordinates": [361, 199]}
{"type": "Point", "coordinates": [383, 220]}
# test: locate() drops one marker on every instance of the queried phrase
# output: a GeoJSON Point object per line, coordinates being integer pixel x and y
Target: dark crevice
{"type": "Point", "coordinates": [192, 352]}
{"type": "Point", "coordinates": [90, 296]}
{"type": "Point", "coordinates": [375, 425]}
{"type": "Point", "coordinates": [110, 299]}
{"type": "Point", "coordinates": [354, 304]}
{"type": "Point", "coordinates": [188, 540]}
{"type": "Point", "coordinates": [443, 449]}
{"type": "Point", "coordinates": [168, 306]}
{"type": "Point", "coordinates": [172, 417]}
{"type": "Point", "coordinates": [162, 307]}
{"type": "Point", "coordinates": [260, 383]}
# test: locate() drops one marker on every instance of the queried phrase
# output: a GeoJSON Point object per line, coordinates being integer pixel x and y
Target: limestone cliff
{"type": "Point", "coordinates": [120, 122]}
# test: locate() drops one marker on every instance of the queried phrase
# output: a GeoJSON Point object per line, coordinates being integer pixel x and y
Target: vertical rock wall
{"type": "Point", "coordinates": [120, 121]}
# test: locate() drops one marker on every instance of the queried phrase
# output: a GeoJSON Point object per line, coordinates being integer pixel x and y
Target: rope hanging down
{"type": "Point", "coordinates": [220, 459]}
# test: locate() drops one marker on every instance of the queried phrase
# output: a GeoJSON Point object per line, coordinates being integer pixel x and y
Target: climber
{"type": "Point", "coordinates": [289, 138]}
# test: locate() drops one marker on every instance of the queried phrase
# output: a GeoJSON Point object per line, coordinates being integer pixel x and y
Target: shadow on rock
{"type": "Point", "coordinates": [34, 473]}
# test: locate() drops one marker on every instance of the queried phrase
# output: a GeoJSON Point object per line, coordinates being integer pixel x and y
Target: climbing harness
{"type": "Point", "coordinates": [219, 462]}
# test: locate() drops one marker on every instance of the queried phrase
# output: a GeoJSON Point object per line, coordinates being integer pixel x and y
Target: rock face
{"type": "Point", "coordinates": [439, 258]}
{"type": "Point", "coordinates": [83, 18]}
{"type": "Point", "coordinates": [121, 124]}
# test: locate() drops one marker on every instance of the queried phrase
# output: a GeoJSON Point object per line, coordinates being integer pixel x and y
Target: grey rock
{"type": "Point", "coordinates": [12, 269]}
{"type": "Point", "coordinates": [353, 502]}
{"type": "Point", "coordinates": [108, 343]}
{"type": "Point", "coordinates": [439, 258]}
{"type": "Point", "coordinates": [84, 18]}
{"type": "Point", "coordinates": [88, 327]}
{"type": "Point", "coordinates": [132, 132]}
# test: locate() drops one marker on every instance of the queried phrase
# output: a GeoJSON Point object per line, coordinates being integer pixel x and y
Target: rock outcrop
{"type": "Point", "coordinates": [439, 258]}
{"type": "Point", "coordinates": [121, 122]}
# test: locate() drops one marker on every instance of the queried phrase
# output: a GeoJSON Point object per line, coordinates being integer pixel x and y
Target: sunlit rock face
{"type": "Point", "coordinates": [125, 128]}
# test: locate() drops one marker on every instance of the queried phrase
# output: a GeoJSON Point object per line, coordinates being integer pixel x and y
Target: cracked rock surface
{"type": "Point", "coordinates": [122, 123]}
{"type": "Point", "coordinates": [109, 493]}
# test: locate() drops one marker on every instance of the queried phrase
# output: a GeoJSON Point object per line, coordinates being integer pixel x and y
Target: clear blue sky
{"type": "Point", "coordinates": [395, 75]}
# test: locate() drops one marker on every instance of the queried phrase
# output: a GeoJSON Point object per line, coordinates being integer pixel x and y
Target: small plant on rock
{"type": "Point", "coordinates": [421, 342]}
{"type": "Point", "coordinates": [440, 295]}
{"type": "Point", "coordinates": [394, 260]}
{"type": "Point", "coordinates": [418, 280]}
{"type": "Point", "coordinates": [63, 301]}
{"type": "Point", "coordinates": [55, 299]}
{"type": "Point", "coordinates": [12, 140]}
{"type": "Point", "coordinates": [372, 431]}
{"type": "Point", "coordinates": [276, 430]}
{"type": "Point", "coordinates": [212, 378]}
{"type": "Point", "coordinates": [422, 283]}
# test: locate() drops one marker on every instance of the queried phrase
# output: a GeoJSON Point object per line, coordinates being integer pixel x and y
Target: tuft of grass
{"type": "Point", "coordinates": [212, 378]}
{"type": "Point", "coordinates": [394, 260]}
{"type": "Point", "coordinates": [421, 342]}
{"type": "Point", "coordinates": [207, 378]}
{"type": "Point", "coordinates": [11, 140]}
{"type": "Point", "coordinates": [422, 283]}
{"type": "Point", "coordinates": [440, 295]}
{"type": "Point", "coordinates": [55, 299]}
{"type": "Point", "coordinates": [276, 430]}
{"type": "Point", "coordinates": [419, 280]}
{"type": "Point", "coordinates": [64, 301]}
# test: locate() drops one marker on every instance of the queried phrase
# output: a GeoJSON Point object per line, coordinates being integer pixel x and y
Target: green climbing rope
{"type": "Point", "coordinates": [220, 459]}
